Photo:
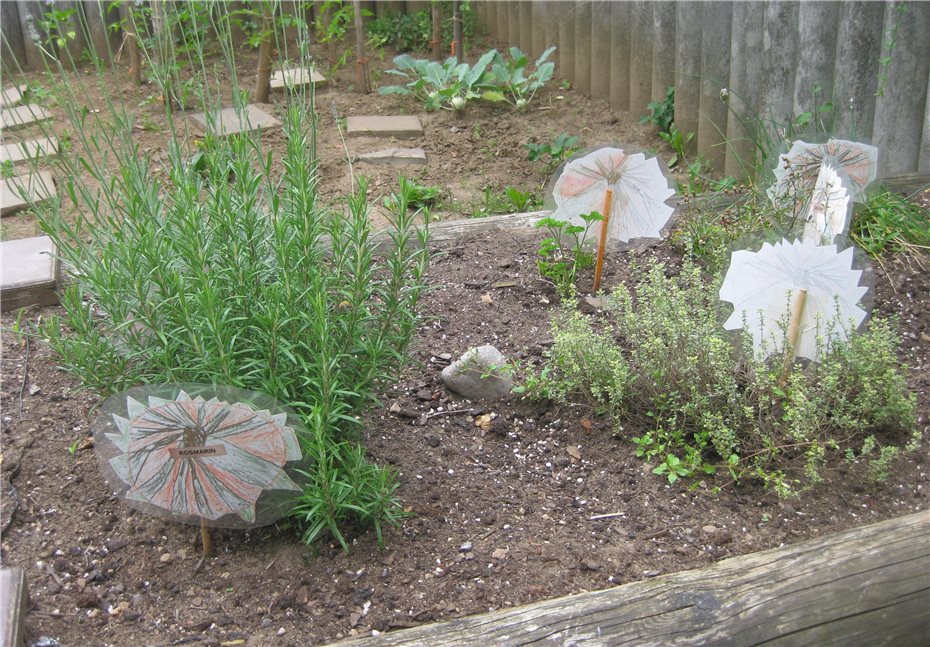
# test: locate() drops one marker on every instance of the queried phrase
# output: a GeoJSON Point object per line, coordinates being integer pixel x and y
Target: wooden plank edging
{"type": "Point", "coordinates": [865, 586]}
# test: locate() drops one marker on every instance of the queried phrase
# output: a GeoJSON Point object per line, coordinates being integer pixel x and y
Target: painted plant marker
{"type": "Point", "coordinates": [798, 169]}
{"type": "Point", "coordinates": [638, 207]}
{"type": "Point", "coordinates": [766, 288]}
{"type": "Point", "coordinates": [199, 454]}
{"type": "Point", "coordinates": [827, 216]}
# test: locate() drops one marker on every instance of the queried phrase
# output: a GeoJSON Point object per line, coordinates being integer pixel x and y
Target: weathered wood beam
{"type": "Point", "coordinates": [864, 586]}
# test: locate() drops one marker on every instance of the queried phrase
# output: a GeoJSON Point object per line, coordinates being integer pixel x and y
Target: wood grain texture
{"type": "Point", "coordinates": [865, 586]}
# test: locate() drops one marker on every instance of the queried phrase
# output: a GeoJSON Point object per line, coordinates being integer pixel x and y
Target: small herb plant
{"type": "Point", "coordinates": [890, 223]}
{"type": "Point", "coordinates": [403, 32]}
{"type": "Point", "coordinates": [659, 361]}
{"type": "Point", "coordinates": [552, 153]}
{"type": "Point", "coordinates": [514, 85]}
{"type": "Point", "coordinates": [562, 253]}
{"type": "Point", "coordinates": [447, 86]}
{"type": "Point", "coordinates": [418, 196]}
{"type": "Point", "coordinates": [661, 113]}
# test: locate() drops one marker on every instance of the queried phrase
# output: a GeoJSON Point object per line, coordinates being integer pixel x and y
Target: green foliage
{"type": "Point", "coordinates": [403, 32]}
{"type": "Point", "coordinates": [225, 267]}
{"type": "Point", "coordinates": [448, 85]}
{"type": "Point", "coordinates": [660, 362]}
{"type": "Point", "coordinates": [513, 84]}
{"type": "Point", "coordinates": [562, 253]}
{"type": "Point", "coordinates": [661, 113]}
{"type": "Point", "coordinates": [522, 201]}
{"type": "Point", "coordinates": [889, 223]}
{"type": "Point", "coordinates": [417, 196]}
{"type": "Point", "coordinates": [678, 142]}
{"type": "Point", "coordinates": [60, 26]}
{"type": "Point", "coordinates": [332, 20]}
{"type": "Point", "coordinates": [557, 151]}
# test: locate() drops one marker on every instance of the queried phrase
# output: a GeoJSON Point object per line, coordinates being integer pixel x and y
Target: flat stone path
{"type": "Point", "coordinates": [295, 78]}
{"type": "Point", "coordinates": [24, 115]}
{"type": "Point", "coordinates": [394, 156]}
{"type": "Point", "coordinates": [29, 273]}
{"type": "Point", "coordinates": [18, 192]}
{"type": "Point", "coordinates": [14, 604]}
{"type": "Point", "coordinates": [380, 126]}
{"type": "Point", "coordinates": [28, 150]}
{"type": "Point", "coordinates": [12, 96]}
{"type": "Point", "coordinates": [229, 122]}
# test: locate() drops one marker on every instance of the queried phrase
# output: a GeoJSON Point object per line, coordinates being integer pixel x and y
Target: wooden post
{"type": "Point", "coordinates": [794, 333]}
{"type": "Point", "coordinates": [458, 44]}
{"type": "Point", "coordinates": [361, 61]}
{"type": "Point", "coordinates": [436, 38]}
{"type": "Point", "coordinates": [263, 81]}
{"type": "Point", "coordinates": [131, 42]}
{"type": "Point", "coordinates": [602, 243]}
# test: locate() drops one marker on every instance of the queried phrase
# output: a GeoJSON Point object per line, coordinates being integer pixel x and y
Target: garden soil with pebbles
{"type": "Point", "coordinates": [501, 514]}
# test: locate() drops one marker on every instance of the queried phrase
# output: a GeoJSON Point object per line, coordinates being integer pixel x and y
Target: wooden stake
{"type": "Point", "coordinates": [794, 333]}
{"type": "Point", "coordinates": [602, 244]}
{"type": "Point", "coordinates": [263, 80]}
{"type": "Point", "coordinates": [361, 61]}
{"type": "Point", "coordinates": [436, 42]}
{"type": "Point", "coordinates": [207, 542]}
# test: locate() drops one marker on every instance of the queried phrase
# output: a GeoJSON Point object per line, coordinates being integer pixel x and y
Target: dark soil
{"type": "Point", "coordinates": [500, 516]}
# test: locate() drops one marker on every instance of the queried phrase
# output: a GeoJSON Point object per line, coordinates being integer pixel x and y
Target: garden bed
{"type": "Point", "coordinates": [543, 501]}
{"type": "Point", "coordinates": [524, 494]}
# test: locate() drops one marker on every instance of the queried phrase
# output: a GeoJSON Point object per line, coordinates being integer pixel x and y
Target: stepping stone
{"type": "Point", "coordinates": [37, 187]}
{"type": "Point", "coordinates": [394, 156]}
{"type": "Point", "coordinates": [295, 78]}
{"type": "Point", "coordinates": [12, 96]}
{"type": "Point", "coordinates": [23, 115]}
{"type": "Point", "coordinates": [14, 603]}
{"type": "Point", "coordinates": [28, 150]}
{"type": "Point", "coordinates": [230, 122]}
{"type": "Point", "coordinates": [29, 273]}
{"type": "Point", "coordinates": [403, 126]}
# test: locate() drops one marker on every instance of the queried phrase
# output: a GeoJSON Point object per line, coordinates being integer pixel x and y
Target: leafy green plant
{"type": "Point", "coordinates": [552, 153]}
{"type": "Point", "coordinates": [404, 32]}
{"type": "Point", "coordinates": [889, 223]}
{"type": "Point", "coordinates": [678, 142]}
{"type": "Point", "coordinates": [515, 86]}
{"type": "Point", "coordinates": [417, 196]}
{"type": "Point", "coordinates": [521, 201]}
{"type": "Point", "coordinates": [661, 113]}
{"type": "Point", "coordinates": [448, 85]}
{"type": "Point", "coordinates": [58, 23]}
{"type": "Point", "coordinates": [183, 276]}
{"type": "Point", "coordinates": [562, 253]}
{"type": "Point", "coordinates": [659, 362]}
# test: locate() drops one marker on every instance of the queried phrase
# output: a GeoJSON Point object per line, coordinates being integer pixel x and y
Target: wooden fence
{"type": "Point", "coordinates": [776, 59]}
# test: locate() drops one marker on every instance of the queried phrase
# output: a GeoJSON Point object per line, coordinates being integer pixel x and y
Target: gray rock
{"type": "Point", "coordinates": [480, 374]}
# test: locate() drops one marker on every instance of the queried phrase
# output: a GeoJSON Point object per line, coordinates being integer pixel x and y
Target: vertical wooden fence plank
{"type": "Point", "coordinates": [93, 15]}
{"type": "Point", "coordinates": [642, 27]}
{"type": "Point", "coordinates": [566, 16]}
{"type": "Point", "coordinates": [899, 109]}
{"type": "Point", "coordinates": [551, 26]}
{"type": "Point", "coordinates": [715, 75]}
{"type": "Point", "coordinates": [583, 46]}
{"type": "Point", "coordinates": [600, 50]}
{"type": "Point", "coordinates": [813, 86]}
{"type": "Point", "coordinates": [858, 48]}
{"type": "Point", "coordinates": [538, 10]}
{"type": "Point", "coordinates": [30, 16]}
{"type": "Point", "coordinates": [490, 19]}
{"type": "Point", "coordinates": [779, 62]}
{"type": "Point", "coordinates": [620, 29]}
{"type": "Point", "coordinates": [663, 49]}
{"type": "Point", "coordinates": [513, 23]}
{"type": "Point", "coordinates": [503, 20]}
{"type": "Point", "coordinates": [12, 51]}
{"type": "Point", "coordinates": [923, 164]}
{"type": "Point", "coordinates": [689, 19]}
{"type": "Point", "coordinates": [526, 26]}
{"type": "Point", "coordinates": [745, 88]}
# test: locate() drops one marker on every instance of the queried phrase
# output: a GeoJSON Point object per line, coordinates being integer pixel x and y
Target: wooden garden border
{"type": "Point", "coordinates": [865, 586]}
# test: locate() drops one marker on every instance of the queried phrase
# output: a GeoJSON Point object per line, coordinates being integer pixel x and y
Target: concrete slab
{"type": "Point", "coordinates": [229, 122]}
{"type": "Point", "coordinates": [295, 78]}
{"type": "Point", "coordinates": [28, 273]}
{"type": "Point", "coordinates": [17, 192]}
{"type": "Point", "coordinates": [12, 96]}
{"type": "Point", "coordinates": [391, 156]}
{"type": "Point", "coordinates": [28, 150]}
{"type": "Point", "coordinates": [24, 115]}
{"type": "Point", "coordinates": [397, 126]}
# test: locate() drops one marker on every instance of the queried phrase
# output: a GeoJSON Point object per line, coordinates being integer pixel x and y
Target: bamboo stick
{"type": "Point", "coordinates": [602, 244]}
{"type": "Point", "coordinates": [794, 333]}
